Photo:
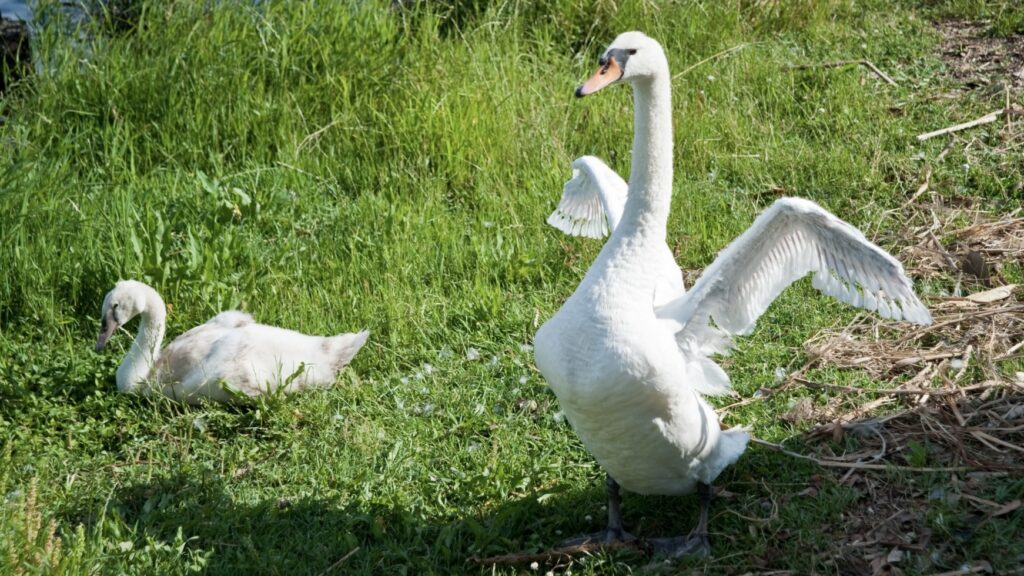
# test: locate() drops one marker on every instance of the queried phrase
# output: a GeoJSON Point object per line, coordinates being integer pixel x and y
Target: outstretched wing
{"type": "Point", "coordinates": [592, 200]}
{"type": "Point", "coordinates": [591, 206]}
{"type": "Point", "coordinates": [790, 239]}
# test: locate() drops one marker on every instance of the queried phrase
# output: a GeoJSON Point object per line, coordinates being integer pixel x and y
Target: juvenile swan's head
{"type": "Point", "coordinates": [126, 301]}
{"type": "Point", "coordinates": [632, 56]}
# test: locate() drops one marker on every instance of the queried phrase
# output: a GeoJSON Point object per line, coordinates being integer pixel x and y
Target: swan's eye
{"type": "Point", "coordinates": [114, 306]}
{"type": "Point", "coordinates": [602, 61]}
{"type": "Point", "coordinates": [631, 51]}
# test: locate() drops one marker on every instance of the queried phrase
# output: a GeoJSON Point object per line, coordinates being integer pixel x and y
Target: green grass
{"type": "Point", "coordinates": [1004, 18]}
{"type": "Point", "coordinates": [329, 167]}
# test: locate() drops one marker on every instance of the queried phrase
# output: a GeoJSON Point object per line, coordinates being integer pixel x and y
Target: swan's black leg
{"type": "Point", "coordinates": [700, 532]}
{"type": "Point", "coordinates": [614, 532]}
{"type": "Point", "coordinates": [696, 544]}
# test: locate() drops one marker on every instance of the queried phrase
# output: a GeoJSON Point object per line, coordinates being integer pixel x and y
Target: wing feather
{"type": "Point", "coordinates": [792, 238]}
{"type": "Point", "coordinates": [592, 200]}
{"type": "Point", "coordinates": [231, 319]}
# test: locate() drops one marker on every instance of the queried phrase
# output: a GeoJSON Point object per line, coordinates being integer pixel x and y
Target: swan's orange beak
{"type": "Point", "coordinates": [606, 74]}
{"type": "Point", "coordinates": [107, 329]}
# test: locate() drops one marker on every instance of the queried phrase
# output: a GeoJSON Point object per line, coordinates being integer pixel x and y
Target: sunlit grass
{"type": "Point", "coordinates": [330, 167]}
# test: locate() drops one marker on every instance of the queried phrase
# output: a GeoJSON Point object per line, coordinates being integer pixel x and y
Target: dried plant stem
{"type": "Point", "coordinates": [715, 56]}
{"type": "Point", "coordinates": [987, 118]}
{"type": "Point", "coordinates": [840, 63]}
{"type": "Point", "coordinates": [902, 391]}
{"type": "Point", "coordinates": [559, 554]}
{"type": "Point", "coordinates": [960, 318]}
{"type": "Point", "coordinates": [340, 561]}
{"type": "Point", "coordinates": [857, 465]}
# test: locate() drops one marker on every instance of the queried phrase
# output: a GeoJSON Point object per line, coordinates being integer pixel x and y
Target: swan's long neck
{"type": "Point", "coordinates": [650, 180]}
{"type": "Point", "coordinates": [622, 272]}
{"type": "Point", "coordinates": [145, 350]}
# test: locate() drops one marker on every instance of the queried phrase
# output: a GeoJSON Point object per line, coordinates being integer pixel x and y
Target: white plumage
{"type": "Point", "coordinates": [629, 369]}
{"type": "Point", "coordinates": [228, 355]}
{"type": "Point", "coordinates": [592, 200]}
{"type": "Point", "coordinates": [787, 241]}
{"type": "Point", "coordinates": [591, 206]}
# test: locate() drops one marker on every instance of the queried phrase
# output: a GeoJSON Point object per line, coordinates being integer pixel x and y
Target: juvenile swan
{"type": "Point", "coordinates": [230, 352]}
{"type": "Point", "coordinates": [629, 372]}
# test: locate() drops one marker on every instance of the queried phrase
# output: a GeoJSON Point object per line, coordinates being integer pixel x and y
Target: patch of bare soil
{"type": "Point", "coordinates": [886, 532]}
{"type": "Point", "coordinates": [980, 60]}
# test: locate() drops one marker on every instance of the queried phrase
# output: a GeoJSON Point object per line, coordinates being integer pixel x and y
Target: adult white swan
{"type": "Point", "coordinates": [630, 375]}
{"type": "Point", "coordinates": [230, 351]}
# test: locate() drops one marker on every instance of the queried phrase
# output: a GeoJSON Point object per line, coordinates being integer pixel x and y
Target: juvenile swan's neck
{"type": "Point", "coordinates": [145, 350]}
{"type": "Point", "coordinates": [650, 180]}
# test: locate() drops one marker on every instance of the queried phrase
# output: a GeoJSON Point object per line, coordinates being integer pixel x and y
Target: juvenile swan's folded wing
{"type": "Point", "coordinates": [231, 319]}
{"type": "Point", "coordinates": [790, 239]}
{"type": "Point", "coordinates": [592, 200]}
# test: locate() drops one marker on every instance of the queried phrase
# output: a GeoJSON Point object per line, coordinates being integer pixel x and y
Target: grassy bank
{"type": "Point", "coordinates": [332, 167]}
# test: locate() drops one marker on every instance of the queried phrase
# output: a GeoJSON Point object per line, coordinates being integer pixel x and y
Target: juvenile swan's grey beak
{"type": "Point", "coordinates": [606, 74]}
{"type": "Point", "coordinates": [107, 330]}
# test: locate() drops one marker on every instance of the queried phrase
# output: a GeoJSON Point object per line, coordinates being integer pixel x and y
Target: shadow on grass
{"type": "Point", "coordinates": [931, 487]}
{"type": "Point", "coordinates": [776, 513]}
{"type": "Point", "coordinates": [311, 535]}
{"type": "Point", "coordinates": [761, 522]}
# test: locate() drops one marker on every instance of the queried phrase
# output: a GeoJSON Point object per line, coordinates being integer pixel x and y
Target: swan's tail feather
{"type": "Point", "coordinates": [344, 347]}
{"type": "Point", "coordinates": [711, 380]}
{"type": "Point", "coordinates": [711, 340]}
{"type": "Point", "coordinates": [731, 444]}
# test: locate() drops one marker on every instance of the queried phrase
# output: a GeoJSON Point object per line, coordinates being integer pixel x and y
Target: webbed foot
{"type": "Point", "coordinates": [614, 533]}
{"type": "Point", "coordinates": [694, 545]}
{"type": "Point", "coordinates": [697, 543]}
